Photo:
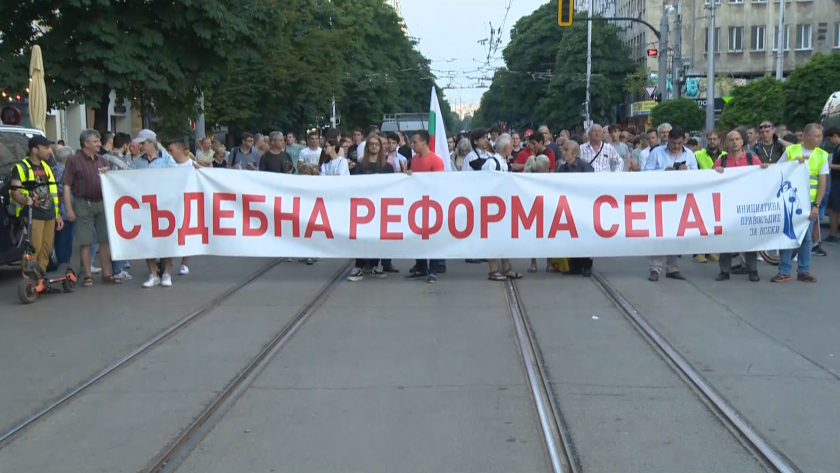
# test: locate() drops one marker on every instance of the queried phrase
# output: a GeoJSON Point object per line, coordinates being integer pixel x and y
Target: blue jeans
{"type": "Point", "coordinates": [804, 255]}
{"type": "Point", "coordinates": [430, 266]}
{"type": "Point", "coordinates": [118, 266]}
{"type": "Point", "coordinates": [64, 243]}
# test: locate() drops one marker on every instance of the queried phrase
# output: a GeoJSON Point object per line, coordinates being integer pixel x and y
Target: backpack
{"type": "Point", "coordinates": [478, 163]}
{"type": "Point", "coordinates": [750, 158]}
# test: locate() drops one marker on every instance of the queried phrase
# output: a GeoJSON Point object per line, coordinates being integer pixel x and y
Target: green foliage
{"type": "Point", "coordinates": [808, 87]}
{"type": "Point", "coordinates": [636, 82]}
{"type": "Point", "coordinates": [260, 64]}
{"type": "Point", "coordinates": [680, 112]}
{"type": "Point", "coordinates": [752, 103]}
{"type": "Point", "coordinates": [523, 90]}
{"type": "Point", "coordinates": [611, 64]}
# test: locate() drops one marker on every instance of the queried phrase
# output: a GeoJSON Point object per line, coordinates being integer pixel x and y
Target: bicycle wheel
{"type": "Point", "coordinates": [772, 257]}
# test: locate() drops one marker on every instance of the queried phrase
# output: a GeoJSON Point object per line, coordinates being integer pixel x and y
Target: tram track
{"type": "Point", "coordinates": [176, 452]}
{"type": "Point", "coordinates": [561, 450]}
{"type": "Point", "coordinates": [734, 421]}
{"type": "Point", "coordinates": [9, 435]}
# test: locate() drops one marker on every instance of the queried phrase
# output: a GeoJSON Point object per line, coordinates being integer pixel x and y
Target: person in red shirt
{"type": "Point", "coordinates": [737, 156]}
{"type": "Point", "coordinates": [536, 147]}
{"type": "Point", "coordinates": [425, 160]}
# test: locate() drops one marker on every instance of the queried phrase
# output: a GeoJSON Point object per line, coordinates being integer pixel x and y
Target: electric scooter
{"type": "Point", "coordinates": [33, 284]}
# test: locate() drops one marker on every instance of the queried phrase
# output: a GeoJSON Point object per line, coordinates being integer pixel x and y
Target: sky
{"type": "Point", "coordinates": [448, 31]}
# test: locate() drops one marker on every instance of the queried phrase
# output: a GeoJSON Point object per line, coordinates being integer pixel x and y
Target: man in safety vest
{"type": "Point", "coordinates": [808, 152]}
{"type": "Point", "coordinates": [707, 157]}
{"type": "Point", "coordinates": [43, 197]}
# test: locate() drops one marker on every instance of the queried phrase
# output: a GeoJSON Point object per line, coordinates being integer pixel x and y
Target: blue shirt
{"type": "Point", "coordinates": [162, 160]}
{"type": "Point", "coordinates": [661, 158]}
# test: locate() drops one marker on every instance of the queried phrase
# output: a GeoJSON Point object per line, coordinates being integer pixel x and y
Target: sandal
{"type": "Point", "coordinates": [88, 281]}
{"type": "Point", "coordinates": [111, 279]}
{"type": "Point", "coordinates": [532, 268]}
{"type": "Point", "coordinates": [511, 274]}
{"type": "Point", "coordinates": [496, 276]}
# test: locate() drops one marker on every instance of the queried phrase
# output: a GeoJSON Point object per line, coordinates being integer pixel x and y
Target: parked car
{"type": "Point", "coordinates": [14, 141]}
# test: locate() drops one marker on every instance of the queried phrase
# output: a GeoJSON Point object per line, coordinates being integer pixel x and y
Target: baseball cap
{"type": "Point", "coordinates": [528, 132]}
{"type": "Point", "coordinates": [145, 135]}
{"type": "Point", "coordinates": [39, 140]}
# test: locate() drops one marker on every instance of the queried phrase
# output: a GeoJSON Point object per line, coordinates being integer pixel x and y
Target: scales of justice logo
{"type": "Point", "coordinates": [792, 205]}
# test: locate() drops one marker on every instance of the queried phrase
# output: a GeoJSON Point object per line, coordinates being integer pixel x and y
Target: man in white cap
{"type": "Point", "coordinates": [153, 156]}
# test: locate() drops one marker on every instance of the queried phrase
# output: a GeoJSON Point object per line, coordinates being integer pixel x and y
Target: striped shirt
{"type": "Point", "coordinates": [81, 173]}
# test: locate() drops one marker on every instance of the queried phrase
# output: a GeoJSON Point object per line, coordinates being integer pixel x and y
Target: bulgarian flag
{"type": "Point", "coordinates": [437, 131]}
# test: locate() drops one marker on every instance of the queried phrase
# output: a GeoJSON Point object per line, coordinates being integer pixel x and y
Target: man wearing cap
{"type": "Point", "coordinates": [152, 156]}
{"type": "Point", "coordinates": [33, 184]}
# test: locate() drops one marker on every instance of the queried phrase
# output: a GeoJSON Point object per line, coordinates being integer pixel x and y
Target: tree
{"type": "Point", "coordinates": [164, 53]}
{"type": "Point", "coordinates": [680, 112]}
{"type": "Point", "coordinates": [754, 102]}
{"type": "Point", "coordinates": [611, 64]}
{"type": "Point", "coordinates": [808, 87]}
{"type": "Point", "coordinates": [529, 57]}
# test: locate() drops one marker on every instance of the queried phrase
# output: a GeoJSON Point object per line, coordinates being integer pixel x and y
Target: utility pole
{"type": "Point", "coordinates": [588, 106]}
{"type": "Point", "coordinates": [677, 66]}
{"type": "Point", "coordinates": [710, 73]}
{"type": "Point", "coordinates": [662, 74]}
{"type": "Point", "coordinates": [332, 102]}
{"type": "Point", "coordinates": [780, 41]}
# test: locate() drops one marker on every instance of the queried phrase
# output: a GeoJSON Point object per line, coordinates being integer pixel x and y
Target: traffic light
{"type": "Point", "coordinates": [652, 52]}
{"type": "Point", "coordinates": [657, 98]}
{"type": "Point", "coordinates": [565, 12]}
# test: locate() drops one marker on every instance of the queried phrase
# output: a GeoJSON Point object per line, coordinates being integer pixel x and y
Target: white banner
{"type": "Point", "coordinates": [186, 212]}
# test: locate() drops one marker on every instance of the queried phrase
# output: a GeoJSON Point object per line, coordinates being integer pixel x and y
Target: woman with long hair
{"type": "Point", "coordinates": [331, 163]}
{"type": "Point", "coordinates": [374, 161]}
{"type": "Point", "coordinates": [480, 145]}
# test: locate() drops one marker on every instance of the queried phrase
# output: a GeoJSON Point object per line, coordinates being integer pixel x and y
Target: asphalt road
{"type": "Point", "coordinates": [391, 375]}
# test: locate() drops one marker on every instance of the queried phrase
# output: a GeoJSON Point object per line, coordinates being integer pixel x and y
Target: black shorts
{"type": "Point", "coordinates": [834, 196]}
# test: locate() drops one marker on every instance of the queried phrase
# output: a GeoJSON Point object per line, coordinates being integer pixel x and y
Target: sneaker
{"type": "Point", "coordinates": [152, 281]}
{"type": "Point", "coordinates": [310, 261]}
{"type": "Point", "coordinates": [653, 277]}
{"type": "Point", "coordinates": [805, 277]}
{"type": "Point", "coordinates": [367, 270]}
{"type": "Point", "coordinates": [431, 279]}
{"type": "Point", "coordinates": [356, 275]}
{"type": "Point", "coordinates": [714, 258]}
{"type": "Point", "coordinates": [416, 275]}
{"type": "Point", "coordinates": [124, 276]}
{"type": "Point", "coordinates": [95, 270]}
{"type": "Point", "coordinates": [378, 273]}
{"type": "Point", "coordinates": [700, 259]}
{"type": "Point", "coordinates": [817, 250]}
{"type": "Point", "coordinates": [166, 280]}
{"type": "Point", "coordinates": [781, 278]}
{"type": "Point", "coordinates": [184, 270]}
{"type": "Point", "coordinates": [442, 269]}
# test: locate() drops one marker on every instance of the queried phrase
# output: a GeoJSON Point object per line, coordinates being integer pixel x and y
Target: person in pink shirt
{"type": "Point", "coordinates": [737, 156]}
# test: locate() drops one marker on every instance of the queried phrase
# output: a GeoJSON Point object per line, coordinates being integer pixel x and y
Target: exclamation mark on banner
{"type": "Point", "coordinates": [716, 202]}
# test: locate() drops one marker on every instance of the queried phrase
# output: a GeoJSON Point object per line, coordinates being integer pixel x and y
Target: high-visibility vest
{"type": "Point", "coordinates": [704, 159]}
{"type": "Point", "coordinates": [818, 158]}
{"type": "Point", "coordinates": [30, 176]}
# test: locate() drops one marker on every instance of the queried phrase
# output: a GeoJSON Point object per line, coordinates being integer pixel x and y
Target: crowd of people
{"type": "Point", "coordinates": [68, 200]}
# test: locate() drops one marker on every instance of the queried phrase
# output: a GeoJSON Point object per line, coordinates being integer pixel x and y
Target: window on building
{"type": "Point", "coordinates": [786, 38]}
{"type": "Point", "coordinates": [803, 37]}
{"type": "Point", "coordinates": [736, 1]}
{"type": "Point", "coordinates": [759, 1]}
{"type": "Point", "coordinates": [717, 2]}
{"type": "Point", "coordinates": [717, 40]}
{"type": "Point", "coordinates": [736, 39]}
{"type": "Point", "coordinates": [837, 36]}
{"type": "Point", "coordinates": [759, 36]}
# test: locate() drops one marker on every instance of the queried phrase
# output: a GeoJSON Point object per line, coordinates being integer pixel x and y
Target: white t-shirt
{"type": "Point", "coordinates": [336, 167]}
{"type": "Point", "coordinates": [471, 156]}
{"type": "Point", "coordinates": [310, 156]}
{"type": "Point", "coordinates": [186, 164]}
{"type": "Point", "coordinates": [806, 153]}
{"type": "Point", "coordinates": [490, 165]}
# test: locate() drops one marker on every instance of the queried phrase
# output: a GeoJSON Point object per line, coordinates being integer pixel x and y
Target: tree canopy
{"type": "Point", "coordinates": [545, 73]}
{"type": "Point", "coordinates": [682, 112]}
{"type": "Point", "coordinates": [752, 103]}
{"type": "Point", "coordinates": [260, 64]}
